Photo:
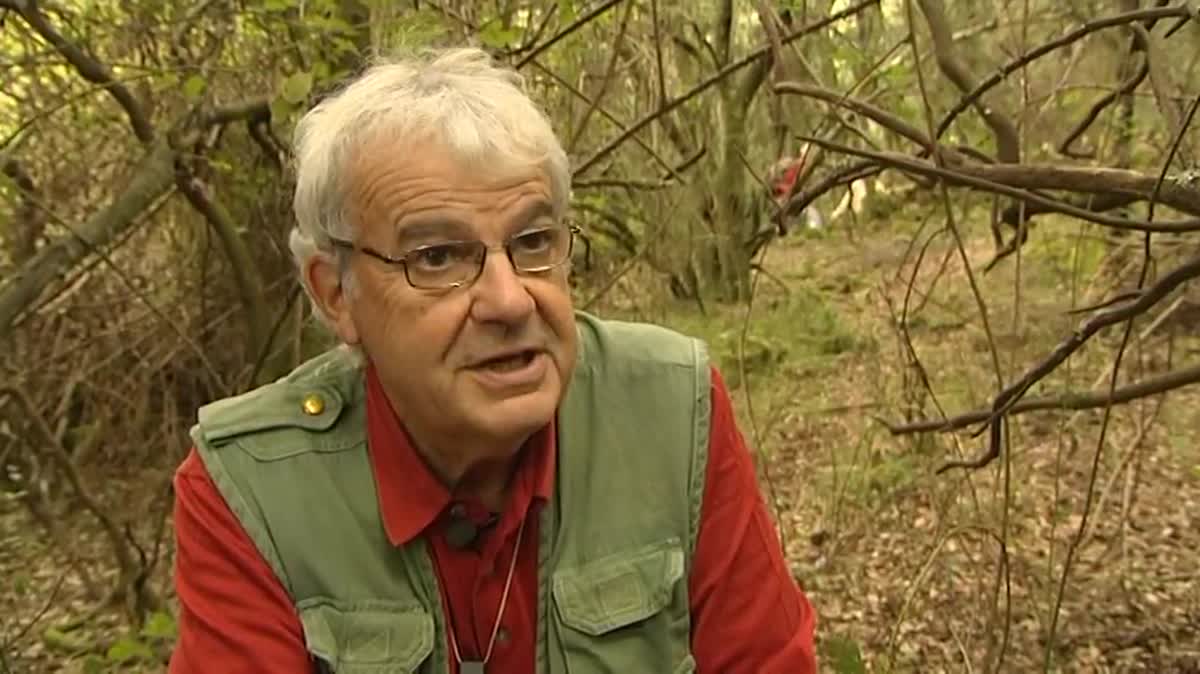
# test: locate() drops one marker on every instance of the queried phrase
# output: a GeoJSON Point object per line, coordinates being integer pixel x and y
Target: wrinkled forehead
{"type": "Point", "coordinates": [430, 188]}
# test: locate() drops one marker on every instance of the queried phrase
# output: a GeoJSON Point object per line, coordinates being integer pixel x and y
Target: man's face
{"type": "Point", "coordinates": [491, 358]}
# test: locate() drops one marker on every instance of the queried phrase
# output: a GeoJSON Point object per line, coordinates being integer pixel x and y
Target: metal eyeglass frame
{"type": "Point", "coordinates": [402, 261]}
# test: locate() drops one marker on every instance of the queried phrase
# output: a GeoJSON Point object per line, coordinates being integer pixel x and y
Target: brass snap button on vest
{"type": "Point", "coordinates": [313, 404]}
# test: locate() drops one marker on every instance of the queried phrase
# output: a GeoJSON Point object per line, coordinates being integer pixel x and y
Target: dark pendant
{"type": "Point", "coordinates": [459, 534]}
{"type": "Point", "coordinates": [471, 667]}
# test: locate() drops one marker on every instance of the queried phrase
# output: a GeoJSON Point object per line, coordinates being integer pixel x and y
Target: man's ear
{"type": "Point", "coordinates": [332, 298]}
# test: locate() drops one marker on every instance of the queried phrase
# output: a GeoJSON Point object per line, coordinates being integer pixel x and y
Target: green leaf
{"type": "Point", "coordinates": [845, 657]}
{"type": "Point", "coordinates": [127, 648]}
{"type": "Point", "coordinates": [277, 5]}
{"type": "Point", "coordinates": [281, 109]}
{"type": "Point", "coordinates": [167, 82]}
{"type": "Point", "coordinates": [93, 664]}
{"type": "Point", "coordinates": [195, 86]}
{"type": "Point", "coordinates": [495, 35]}
{"type": "Point", "coordinates": [321, 71]}
{"type": "Point", "coordinates": [159, 625]}
{"type": "Point", "coordinates": [296, 87]}
{"type": "Point", "coordinates": [566, 11]}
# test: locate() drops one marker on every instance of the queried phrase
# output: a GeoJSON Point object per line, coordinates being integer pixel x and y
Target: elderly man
{"type": "Point", "coordinates": [479, 479]}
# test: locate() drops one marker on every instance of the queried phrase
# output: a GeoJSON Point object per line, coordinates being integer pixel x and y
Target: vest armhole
{"type": "Point", "coordinates": [250, 520]}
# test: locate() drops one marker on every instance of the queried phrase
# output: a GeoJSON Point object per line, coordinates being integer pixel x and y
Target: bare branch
{"type": "Point", "coordinates": [575, 25]}
{"type": "Point", "coordinates": [1068, 401]}
{"type": "Point", "coordinates": [251, 110]}
{"type": "Point", "coordinates": [601, 183]}
{"type": "Point", "coordinates": [1008, 144]}
{"type": "Point", "coordinates": [152, 178]}
{"type": "Point", "coordinates": [1005, 400]}
{"type": "Point", "coordinates": [57, 453]}
{"type": "Point", "coordinates": [244, 270]}
{"type": "Point", "coordinates": [30, 221]}
{"type": "Point", "coordinates": [960, 176]}
{"type": "Point", "coordinates": [1036, 53]}
{"type": "Point", "coordinates": [605, 81]}
{"type": "Point", "coordinates": [1099, 106]}
{"type": "Point", "coordinates": [875, 114]}
{"type": "Point", "coordinates": [87, 67]}
{"type": "Point", "coordinates": [717, 77]}
{"type": "Point", "coordinates": [1088, 180]}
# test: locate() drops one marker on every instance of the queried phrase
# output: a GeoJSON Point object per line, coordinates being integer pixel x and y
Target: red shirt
{"type": "Point", "coordinates": [748, 615]}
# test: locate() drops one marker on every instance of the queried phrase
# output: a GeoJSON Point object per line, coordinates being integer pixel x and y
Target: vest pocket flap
{"type": "Point", "coordinates": [365, 637]}
{"type": "Point", "coordinates": [619, 589]}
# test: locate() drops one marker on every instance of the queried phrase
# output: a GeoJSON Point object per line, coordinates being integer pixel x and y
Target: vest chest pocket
{"type": "Point", "coordinates": [625, 613]}
{"type": "Point", "coordinates": [367, 637]}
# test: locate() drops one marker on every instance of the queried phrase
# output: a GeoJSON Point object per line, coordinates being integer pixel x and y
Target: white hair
{"type": "Point", "coordinates": [456, 98]}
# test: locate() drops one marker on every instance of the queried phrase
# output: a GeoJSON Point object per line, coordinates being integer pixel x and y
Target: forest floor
{"type": "Point", "coordinates": [909, 569]}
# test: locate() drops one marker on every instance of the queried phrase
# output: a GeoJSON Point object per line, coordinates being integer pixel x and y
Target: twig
{"type": "Point", "coordinates": [1099, 106]}
{"type": "Point", "coordinates": [575, 25]}
{"type": "Point", "coordinates": [1069, 401]}
{"type": "Point", "coordinates": [960, 177]}
{"type": "Point", "coordinates": [603, 112]}
{"type": "Point", "coordinates": [717, 77]}
{"type": "Point", "coordinates": [658, 54]}
{"type": "Point", "coordinates": [878, 115]}
{"type": "Point", "coordinates": [245, 273]}
{"type": "Point", "coordinates": [1084, 30]}
{"type": "Point", "coordinates": [125, 563]}
{"type": "Point", "coordinates": [49, 603]}
{"type": "Point", "coordinates": [609, 71]}
{"type": "Point", "coordinates": [1126, 458]}
{"type": "Point", "coordinates": [132, 287]}
{"type": "Point", "coordinates": [88, 68]}
{"type": "Point", "coordinates": [265, 347]}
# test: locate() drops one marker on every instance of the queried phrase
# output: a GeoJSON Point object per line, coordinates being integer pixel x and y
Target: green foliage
{"type": "Point", "coordinates": [296, 87]}
{"type": "Point", "coordinates": [20, 583]}
{"type": "Point", "coordinates": [843, 655]}
{"type": "Point", "coordinates": [160, 626]}
{"type": "Point", "coordinates": [194, 87]}
{"type": "Point", "coordinates": [143, 648]}
{"type": "Point", "coordinates": [496, 36]}
{"type": "Point", "coordinates": [1061, 250]}
{"type": "Point", "coordinates": [567, 12]}
{"type": "Point", "coordinates": [128, 649]}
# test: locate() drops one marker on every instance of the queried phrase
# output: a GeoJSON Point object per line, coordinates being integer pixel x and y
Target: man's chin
{"type": "Point", "coordinates": [518, 414]}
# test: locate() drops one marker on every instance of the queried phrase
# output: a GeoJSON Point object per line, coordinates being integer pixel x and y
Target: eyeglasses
{"type": "Point", "coordinates": [453, 264]}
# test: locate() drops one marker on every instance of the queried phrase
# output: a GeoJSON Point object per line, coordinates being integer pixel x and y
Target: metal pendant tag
{"type": "Point", "coordinates": [471, 667]}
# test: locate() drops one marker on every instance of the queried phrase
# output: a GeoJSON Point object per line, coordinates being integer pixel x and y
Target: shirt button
{"type": "Point", "coordinates": [503, 636]}
{"type": "Point", "coordinates": [458, 510]}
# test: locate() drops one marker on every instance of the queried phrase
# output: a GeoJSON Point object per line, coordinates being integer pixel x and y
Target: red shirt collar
{"type": "Point", "coordinates": [411, 497]}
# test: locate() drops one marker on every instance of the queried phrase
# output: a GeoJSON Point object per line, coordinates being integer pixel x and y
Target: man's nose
{"type": "Point", "coordinates": [500, 295]}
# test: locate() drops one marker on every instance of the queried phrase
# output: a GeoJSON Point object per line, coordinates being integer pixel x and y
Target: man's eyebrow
{"type": "Point", "coordinates": [445, 226]}
{"type": "Point", "coordinates": [431, 227]}
{"type": "Point", "coordinates": [538, 209]}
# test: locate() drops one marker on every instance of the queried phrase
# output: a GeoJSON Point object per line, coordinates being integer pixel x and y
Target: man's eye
{"type": "Point", "coordinates": [436, 257]}
{"type": "Point", "coordinates": [534, 242]}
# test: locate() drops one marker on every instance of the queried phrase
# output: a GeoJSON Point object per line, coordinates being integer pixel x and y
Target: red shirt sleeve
{"type": "Point", "coordinates": [234, 615]}
{"type": "Point", "coordinates": [748, 614]}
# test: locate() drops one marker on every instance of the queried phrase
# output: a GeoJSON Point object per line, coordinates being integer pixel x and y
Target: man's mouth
{"type": "Point", "coordinates": [508, 362]}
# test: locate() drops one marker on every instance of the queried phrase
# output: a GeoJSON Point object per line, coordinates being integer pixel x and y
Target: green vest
{"type": "Point", "coordinates": [616, 540]}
